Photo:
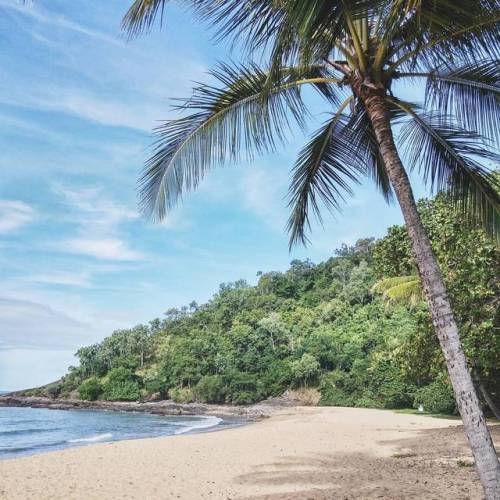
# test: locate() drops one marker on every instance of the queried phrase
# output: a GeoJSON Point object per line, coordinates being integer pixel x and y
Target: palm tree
{"type": "Point", "coordinates": [407, 290]}
{"type": "Point", "coordinates": [353, 53]}
{"type": "Point", "coordinates": [400, 290]}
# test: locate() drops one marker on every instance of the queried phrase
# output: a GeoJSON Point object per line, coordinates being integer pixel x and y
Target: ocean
{"type": "Point", "coordinates": [26, 431]}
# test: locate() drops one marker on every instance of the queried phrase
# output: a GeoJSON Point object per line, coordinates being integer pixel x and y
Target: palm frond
{"type": "Point", "coordinates": [442, 32]}
{"type": "Point", "coordinates": [443, 153]}
{"type": "Point", "coordinates": [227, 120]}
{"type": "Point", "coordinates": [400, 290]}
{"type": "Point", "coordinates": [264, 23]}
{"type": "Point", "coordinates": [345, 149]}
{"type": "Point", "coordinates": [372, 158]}
{"type": "Point", "coordinates": [471, 93]}
{"type": "Point", "coordinates": [142, 15]}
{"type": "Point", "coordinates": [291, 31]}
{"type": "Point", "coordinates": [322, 172]}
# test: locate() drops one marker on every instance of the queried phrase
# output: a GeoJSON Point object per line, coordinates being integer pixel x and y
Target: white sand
{"type": "Point", "coordinates": [298, 453]}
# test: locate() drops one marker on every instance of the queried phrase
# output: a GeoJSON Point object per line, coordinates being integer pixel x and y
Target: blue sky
{"type": "Point", "coordinates": [77, 105]}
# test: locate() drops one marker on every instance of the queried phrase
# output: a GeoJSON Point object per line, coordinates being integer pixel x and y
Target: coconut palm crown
{"type": "Point", "coordinates": [352, 52]}
{"type": "Point", "coordinates": [342, 49]}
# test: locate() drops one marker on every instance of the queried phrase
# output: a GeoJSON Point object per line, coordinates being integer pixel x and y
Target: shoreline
{"type": "Point", "coordinates": [317, 453]}
{"type": "Point", "coordinates": [252, 412]}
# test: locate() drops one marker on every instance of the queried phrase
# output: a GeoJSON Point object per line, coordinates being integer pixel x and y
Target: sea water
{"type": "Point", "coordinates": [25, 431]}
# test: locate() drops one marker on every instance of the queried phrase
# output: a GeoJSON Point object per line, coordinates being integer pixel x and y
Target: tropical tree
{"type": "Point", "coordinates": [408, 290]}
{"type": "Point", "coordinates": [355, 54]}
{"type": "Point", "coordinates": [400, 289]}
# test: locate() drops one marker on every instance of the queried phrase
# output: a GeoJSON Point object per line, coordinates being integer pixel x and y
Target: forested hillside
{"type": "Point", "coordinates": [316, 327]}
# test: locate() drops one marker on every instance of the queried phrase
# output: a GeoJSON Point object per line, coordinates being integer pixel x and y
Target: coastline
{"type": "Point", "coordinates": [316, 453]}
{"type": "Point", "coordinates": [256, 411]}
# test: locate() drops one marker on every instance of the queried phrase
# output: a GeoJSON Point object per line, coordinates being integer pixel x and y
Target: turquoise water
{"type": "Point", "coordinates": [25, 431]}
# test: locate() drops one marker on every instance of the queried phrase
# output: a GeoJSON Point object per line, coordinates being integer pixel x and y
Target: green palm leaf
{"type": "Point", "coordinates": [322, 172]}
{"type": "Point", "coordinates": [433, 33]}
{"type": "Point", "coordinates": [400, 290]}
{"type": "Point", "coordinates": [342, 151]}
{"type": "Point", "coordinates": [470, 92]}
{"type": "Point", "coordinates": [443, 153]}
{"type": "Point", "coordinates": [230, 119]}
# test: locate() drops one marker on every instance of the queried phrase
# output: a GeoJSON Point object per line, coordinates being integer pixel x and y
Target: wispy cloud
{"type": "Point", "coordinates": [90, 206]}
{"type": "Point", "coordinates": [33, 325]}
{"type": "Point", "coordinates": [14, 214]}
{"type": "Point", "coordinates": [81, 279]}
{"type": "Point", "coordinates": [104, 248]}
{"type": "Point", "coordinates": [98, 220]}
{"type": "Point", "coordinates": [105, 110]}
{"type": "Point", "coordinates": [125, 84]}
{"type": "Point", "coordinates": [37, 13]}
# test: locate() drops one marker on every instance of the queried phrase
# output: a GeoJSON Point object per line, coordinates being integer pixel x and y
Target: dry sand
{"type": "Point", "coordinates": [299, 453]}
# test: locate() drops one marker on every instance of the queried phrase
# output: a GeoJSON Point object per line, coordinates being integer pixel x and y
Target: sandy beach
{"type": "Point", "coordinates": [298, 453]}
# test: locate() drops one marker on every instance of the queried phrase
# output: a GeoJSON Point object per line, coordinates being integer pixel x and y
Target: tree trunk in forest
{"type": "Point", "coordinates": [487, 463]}
{"type": "Point", "coordinates": [489, 400]}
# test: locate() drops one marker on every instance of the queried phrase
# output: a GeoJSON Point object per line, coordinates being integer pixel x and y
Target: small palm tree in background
{"type": "Point", "coordinates": [353, 53]}
{"type": "Point", "coordinates": [400, 290]}
{"type": "Point", "coordinates": [407, 290]}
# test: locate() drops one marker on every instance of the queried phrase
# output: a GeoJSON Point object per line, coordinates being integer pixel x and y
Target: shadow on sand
{"type": "Point", "coordinates": [434, 465]}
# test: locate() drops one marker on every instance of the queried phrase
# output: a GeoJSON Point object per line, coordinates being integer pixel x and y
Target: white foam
{"type": "Point", "coordinates": [92, 439]}
{"type": "Point", "coordinates": [206, 423]}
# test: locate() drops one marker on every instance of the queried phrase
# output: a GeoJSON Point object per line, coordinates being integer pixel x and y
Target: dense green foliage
{"type": "Point", "coordinates": [312, 326]}
{"type": "Point", "coordinates": [470, 263]}
{"type": "Point", "coordinates": [122, 384]}
{"type": "Point", "coordinates": [90, 389]}
{"type": "Point", "coordinates": [436, 397]}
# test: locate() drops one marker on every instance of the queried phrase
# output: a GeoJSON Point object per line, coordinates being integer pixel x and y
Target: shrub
{"type": "Point", "coordinates": [70, 382]}
{"type": "Point", "coordinates": [436, 397]}
{"type": "Point", "coordinates": [305, 369]}
{"type": "Point", "coordinates": [122, 385]}
{"type": "Point", "coordinates": [53, 390]}
{"type": "Point", "coordinates": [275, 379]}
{"type": "Point", "coordinates": [90, 389]}
{"type": "Point", "coordinates": [155, 386]}
{"type": "Point", "coordinates": [396, 394]}
{"type": "Point", "coordinates": [211, 389]}
{"type": "Point", "coordinates": [388, 387]}
{"type": "Point", "coordinates": [331, 387]}
{"type": "Point", "coordinates": [129, 362]}
{"type": "Point", "coordinates": [242, 388]}
{"type": "Point", "coordinates": [181, 394]}
{"type": "Point", "coordinates": [368, 400]}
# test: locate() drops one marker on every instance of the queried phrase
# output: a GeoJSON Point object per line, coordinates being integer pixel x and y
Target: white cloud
{"type": "Point", "coordinates": [106, 110]}
{"type": "Point", "coordinates": [26, 324]}
{"type": "Point", "coordinates": [125, 84]}
{"type": "Point", "coordinates": [14, 214]}
{"type": "Point", "coordinates": [91, 207]}
{"type": "Point", "coordinates": [61, 278]}
{"type": "Point", "coordinates": [98, 220]}
{"type": "Point", "coordinates": [106, 248]}
{"type": "Point", "coordinates": [38, 14]}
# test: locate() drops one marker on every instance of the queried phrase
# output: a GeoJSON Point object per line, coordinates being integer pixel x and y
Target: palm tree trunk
{"type": "Point", "coordinates": [480, 441]}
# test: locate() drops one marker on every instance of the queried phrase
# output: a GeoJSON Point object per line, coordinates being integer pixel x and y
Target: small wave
{"type": "Point", "coordinates": [24, 432]}
{"type": "Point", "coordinates": [206, 423]}
{"type": "Point", "coordinates": [5, 450]}
{"type": "Point", "coordinates": [92, 439]}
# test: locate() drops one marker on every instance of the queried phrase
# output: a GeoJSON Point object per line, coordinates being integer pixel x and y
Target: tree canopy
{"type": "Point", "coordinates": [317, 326]}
